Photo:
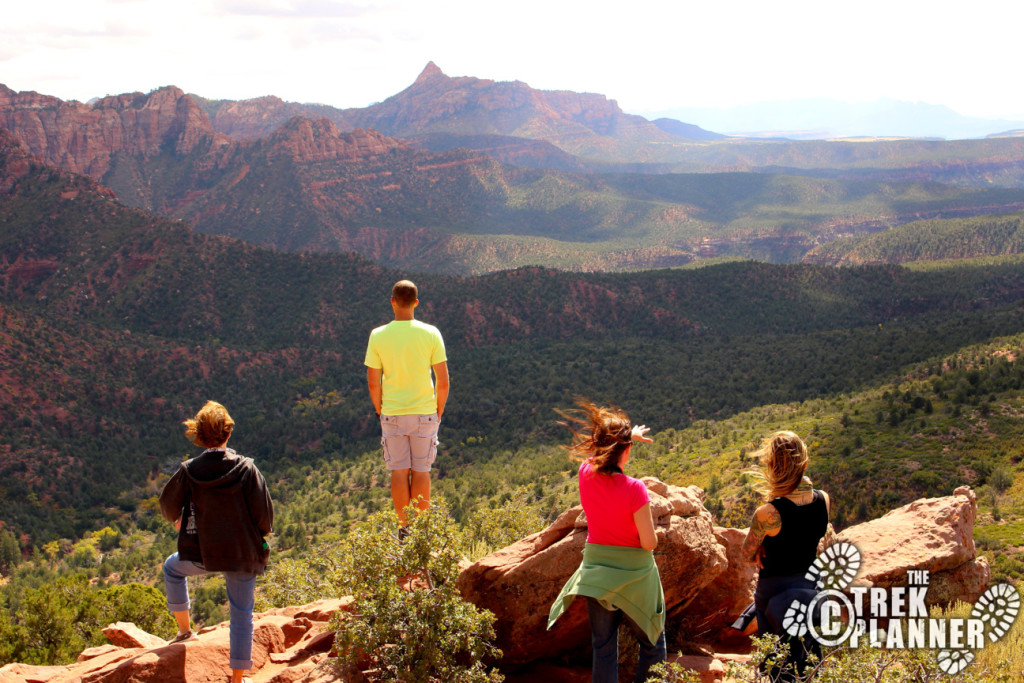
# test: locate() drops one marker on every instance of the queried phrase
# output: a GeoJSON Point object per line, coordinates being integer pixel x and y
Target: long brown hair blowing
{"type": "Point", "coordinates": [783, 459]}
{"type": "Point", "coordinates": [600, 435]}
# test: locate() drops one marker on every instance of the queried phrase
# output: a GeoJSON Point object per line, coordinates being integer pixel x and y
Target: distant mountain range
{"type": "Point", "coordinates": [580, 123]}
{"type": "Point", "coordinates": [467, 175]}
{"type": "Point", "coordinates": [820, 119]}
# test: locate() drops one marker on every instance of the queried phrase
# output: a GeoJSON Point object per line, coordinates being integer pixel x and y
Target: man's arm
{"type": "Point", "coordinates": [441, 386]}
{"type": "Point", "coordinates": [373, 376]}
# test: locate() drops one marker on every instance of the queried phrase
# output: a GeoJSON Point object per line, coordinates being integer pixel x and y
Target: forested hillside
{"type": "Point", "coordinates": [114, 317]}
{"type": "Point", "coordinates": [920, 431]}
{"type": "Point", "coordinates": [929, 240]}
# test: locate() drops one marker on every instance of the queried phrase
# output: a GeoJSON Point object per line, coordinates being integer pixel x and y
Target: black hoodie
{"type": "Point", "coordinates": [233, 512]}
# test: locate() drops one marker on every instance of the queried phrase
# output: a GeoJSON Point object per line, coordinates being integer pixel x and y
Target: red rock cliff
{"type": "Point", "coordinates": [312, 141]}
{"type": "Point", "coordinates": [82, 137]}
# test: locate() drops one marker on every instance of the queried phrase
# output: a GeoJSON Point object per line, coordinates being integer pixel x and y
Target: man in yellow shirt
{"type": "Point", "coordinates": [399, 360]}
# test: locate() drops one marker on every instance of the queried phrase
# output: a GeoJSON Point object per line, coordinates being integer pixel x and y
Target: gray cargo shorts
{"type": "Point", "coordinates": [409, 441]}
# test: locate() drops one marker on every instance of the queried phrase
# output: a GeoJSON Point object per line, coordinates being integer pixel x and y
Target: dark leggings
{"type": "Point", "coordinates": [772, 598]}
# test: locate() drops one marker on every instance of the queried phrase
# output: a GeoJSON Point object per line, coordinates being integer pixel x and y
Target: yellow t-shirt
{"type": "Point", "coordinates": [405, 350]}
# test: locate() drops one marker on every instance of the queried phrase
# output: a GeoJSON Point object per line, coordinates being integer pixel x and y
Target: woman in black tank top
{"type": "Point", "coordinates": [784, 536]}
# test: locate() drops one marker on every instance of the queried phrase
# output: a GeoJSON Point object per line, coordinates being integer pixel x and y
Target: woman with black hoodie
{"type": "Point", "coordinates": [222, 509]}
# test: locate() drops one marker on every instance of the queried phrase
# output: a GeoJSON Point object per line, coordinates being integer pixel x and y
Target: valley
{"type": "Point", "coordinates": [158, 250]}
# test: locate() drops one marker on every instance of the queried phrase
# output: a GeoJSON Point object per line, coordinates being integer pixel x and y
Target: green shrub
{"type": "Point", "coordinates": [59, 620]}
{"type": "Point", "coordinates": [1001, 478]}
{"type": "Point", "coordinates": [670, 672]}
{"type": "Point", "coordinates": [408, 620]}
{"type": "Point", "coordinates": [490, 528]}
{"type": "Point", "coordinates": [298, 581]}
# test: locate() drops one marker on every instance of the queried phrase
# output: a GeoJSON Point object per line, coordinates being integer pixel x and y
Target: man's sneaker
{"type": "Point", "coordinates": [184, 637]}
{"type": "Point", "coordinates": [403, 533]}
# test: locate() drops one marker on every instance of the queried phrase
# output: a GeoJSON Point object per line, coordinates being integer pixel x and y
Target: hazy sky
{"type": "Point", "coordinates": [648, 55]}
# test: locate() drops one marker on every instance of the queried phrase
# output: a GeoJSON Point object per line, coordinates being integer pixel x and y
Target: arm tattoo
{"type": "Point", "coordinates": [759, 529]}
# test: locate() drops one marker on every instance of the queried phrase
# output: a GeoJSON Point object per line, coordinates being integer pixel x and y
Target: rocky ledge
{"type": "Point", "coordinates": [706, 584]}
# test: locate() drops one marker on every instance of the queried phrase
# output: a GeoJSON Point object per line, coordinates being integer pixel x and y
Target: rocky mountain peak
{"type": "Point", "coordinates": [464, 105]}
{"type": "Point", "coordinates": [430, 71]}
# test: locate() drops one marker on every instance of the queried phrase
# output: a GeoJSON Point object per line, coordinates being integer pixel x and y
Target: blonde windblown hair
{"type": "Point", "coordinates": [783, 458]}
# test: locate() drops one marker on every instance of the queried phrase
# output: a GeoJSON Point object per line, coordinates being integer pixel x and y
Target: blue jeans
{"type": "Point", "coordinates": [241, 588]}
{"type": "Point", "coordinates": [604, 636]}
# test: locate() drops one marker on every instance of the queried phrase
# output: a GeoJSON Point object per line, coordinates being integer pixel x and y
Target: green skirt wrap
{"type": "Point", "coordinates": [620, 578]}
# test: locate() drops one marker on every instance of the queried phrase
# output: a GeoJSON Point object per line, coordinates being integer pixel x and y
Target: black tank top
{"type": "Point", "coordinates": [793, 549]}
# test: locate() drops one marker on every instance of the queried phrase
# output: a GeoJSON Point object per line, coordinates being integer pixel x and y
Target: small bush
{"type": "Point", "coordinates": [491, 529]}
{"type": "Point", "coordinates": [1001, 479]}
{"type": "Point", "coordinates": [409, 621]}
{"type": "Point", "coordinates": [298, 581]}
{"type": "Point", "coordinates": [670, 672]}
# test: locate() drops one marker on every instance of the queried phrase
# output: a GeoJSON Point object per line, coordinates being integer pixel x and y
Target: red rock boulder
{"type": "Point", "coordinates": [933, 534]}
{"type": "Point", "coordinates": [519, 583]}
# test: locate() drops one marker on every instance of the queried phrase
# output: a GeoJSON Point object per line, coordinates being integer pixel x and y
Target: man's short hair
{"type": "Point", "coordinates": [404, 293]}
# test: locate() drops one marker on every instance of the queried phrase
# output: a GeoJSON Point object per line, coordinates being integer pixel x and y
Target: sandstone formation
{"type": "Point", "coordinates": [83, 138]}
{"type": "Point", "coordinates": [114, 139]}
{"type": "Point", "coordinates": [708, 618]}
{"type": "Point", "coordinates": [965, 583]}
{"type": "Point", "coordinates": [519, 583]}
{"type": "Point", "coordinates": [309, 141]}
{"type": "Point", "coordinates": [933, 534]}
{"type": "Point", "coordinates": [707, 583]}
{"type": "Point", "coordinates": [16, 163]}
{"type": "Point", "coordinates": [128, 635]}
{"type": "Point", "coordinates": [259, 117]}
{"type": "Point", "coordinates": [289, 646]}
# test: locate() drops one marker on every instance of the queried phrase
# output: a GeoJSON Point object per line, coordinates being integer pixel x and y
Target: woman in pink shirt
{"type": "Point", "coordinates": [618, 575]}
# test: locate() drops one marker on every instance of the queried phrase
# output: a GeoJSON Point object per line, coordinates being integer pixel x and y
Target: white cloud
{"type": "Point", "coordinates": [309, 9]}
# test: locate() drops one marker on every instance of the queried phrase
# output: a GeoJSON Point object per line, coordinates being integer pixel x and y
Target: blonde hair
{"type": "Point", "coordinates": [783, 459]}
{"type": "Point", "coordinates": [600, 435]}
{"type": "Point", "coordinates": [211, 426]}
